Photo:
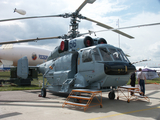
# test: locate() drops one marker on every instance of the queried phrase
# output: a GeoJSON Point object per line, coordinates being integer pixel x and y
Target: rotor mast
{"type": "Point", "coordinates": [73, 32]}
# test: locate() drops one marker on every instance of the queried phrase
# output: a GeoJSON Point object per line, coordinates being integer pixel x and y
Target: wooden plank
{"type": "Point", "coordinates": [128, 87]}
{"type": "Point", "coordinates": [80, 97]}
{"type": "Point", "coordinates": [76, 104]}
{"type": "Point", "coordinates": [135, 91]}
{"type": "Point", "coordinates": [140, 96]}
{"type": "Point", "coordinates": [86, 90]}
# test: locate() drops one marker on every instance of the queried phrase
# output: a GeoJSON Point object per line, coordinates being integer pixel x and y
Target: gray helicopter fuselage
{"type": "Point", "coordinates": [99, 67]}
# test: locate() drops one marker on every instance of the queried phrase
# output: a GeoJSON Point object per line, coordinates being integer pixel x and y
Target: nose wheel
{"type": "Point", "coordinates": [111, 95]}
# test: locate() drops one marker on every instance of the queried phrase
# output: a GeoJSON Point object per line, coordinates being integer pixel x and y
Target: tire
{"type": "Point", "coordinates": [43, 92]}
{"type": "Point", "coordinates": [111, 95]}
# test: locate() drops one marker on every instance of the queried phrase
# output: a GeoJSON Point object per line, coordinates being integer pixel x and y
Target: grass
{"type": "Point", "coordinates": [37, 84]}
{"type": "Point", "coordinates": [154, 81]}
{"type": "Point", "coordinates": [13, 88]}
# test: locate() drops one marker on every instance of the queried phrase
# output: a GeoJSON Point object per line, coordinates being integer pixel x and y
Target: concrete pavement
{"type": "Point", "coordinates": [26, 105]}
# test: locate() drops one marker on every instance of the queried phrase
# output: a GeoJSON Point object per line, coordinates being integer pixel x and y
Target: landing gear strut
{"type": "Point", "coordinates": [111, 95]}
{"type": "Point", "coordinates": [43, 92]}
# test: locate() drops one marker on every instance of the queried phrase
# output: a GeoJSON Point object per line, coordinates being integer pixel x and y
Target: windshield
{"type": "Point", "coordinates": [123, 56]}
{"type": "Point", "coordinates": [96, 55]}
{"type": "Point", "coordinates": [102, 54]}
{"type": "Point", "coordinates": [116, 54]}
{"type": "Point", "coordinates": [105, 54]}
{"type": "Point", "coordinates": [110, 54]}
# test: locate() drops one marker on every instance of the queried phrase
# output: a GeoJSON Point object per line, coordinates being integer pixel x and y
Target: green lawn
{"type": "Point", "coordinates": [156, 80]}
{"type": "Point", "coordinates": [35, 84]}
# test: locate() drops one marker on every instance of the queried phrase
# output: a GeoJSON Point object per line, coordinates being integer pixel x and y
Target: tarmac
{"type": "Point", "coordinates": [26, 105]}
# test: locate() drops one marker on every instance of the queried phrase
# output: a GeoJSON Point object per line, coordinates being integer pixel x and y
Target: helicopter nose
{"type": "Point", "coordinates": [118, 68]}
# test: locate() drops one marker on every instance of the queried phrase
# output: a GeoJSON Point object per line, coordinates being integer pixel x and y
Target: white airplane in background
{"type": "Point", "coordinates": [10, 54]}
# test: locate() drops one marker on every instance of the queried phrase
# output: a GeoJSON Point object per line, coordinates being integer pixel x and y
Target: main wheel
{"type": "Point", "coordinates": [43, 92]}
{"type": "Point", "coordinates": [111, 95]}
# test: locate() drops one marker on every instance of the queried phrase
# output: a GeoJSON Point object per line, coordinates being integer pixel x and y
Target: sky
{"type": "Point", "coordinates": [146, 44]}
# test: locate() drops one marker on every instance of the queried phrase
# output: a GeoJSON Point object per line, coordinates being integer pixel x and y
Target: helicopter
{"type": "Point", "coordinates": [82, 62]}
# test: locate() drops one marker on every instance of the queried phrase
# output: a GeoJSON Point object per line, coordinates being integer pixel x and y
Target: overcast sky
{"type": "Point", "coordinates": [146, 44]}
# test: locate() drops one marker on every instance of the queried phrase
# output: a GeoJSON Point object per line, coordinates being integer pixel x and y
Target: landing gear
{"type": "Point", "coordinates": [117, 98]}
{"type": "Point", "coordinates": [43, 92]}
{"type": "Point", "coordinates": [100, 106]}
{"type": "Point", "coordinates": [111, 95]}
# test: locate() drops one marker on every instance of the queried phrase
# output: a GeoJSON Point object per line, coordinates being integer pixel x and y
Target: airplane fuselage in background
{"type": "Point", "coordinates": [10, 54]}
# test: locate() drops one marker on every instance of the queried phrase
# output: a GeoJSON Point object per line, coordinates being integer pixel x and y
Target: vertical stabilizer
{"type": "Point", "coordinates": [22, 68]}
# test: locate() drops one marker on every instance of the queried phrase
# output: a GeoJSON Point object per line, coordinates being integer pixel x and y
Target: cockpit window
{"type": "Point", "coordinates": [96, 54]}
{"type": "Point", "coordinates": [105, 54]}
{"type": "Point", "coordinates": [87, 56]}
{"type": "Point", "coordinates": [123, 56]}
{"type": "Point", "coordinates": [116, 54]}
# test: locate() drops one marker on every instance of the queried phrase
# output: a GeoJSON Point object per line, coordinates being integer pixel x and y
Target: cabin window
{"type": "Point", "coordinates": [87, 56]}
{"type": "Point", "coordinates": [96, 55]}
{"type": "Point", "coordinates": [116, 55]}
{"type": "Point", "coordinates": [105, 54]}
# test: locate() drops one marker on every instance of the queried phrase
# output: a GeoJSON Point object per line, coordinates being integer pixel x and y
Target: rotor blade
{"type": "Point", "coordinates": [144, 25]}
{"type": "Point", "coordinates": [29, 40]}
{"type": "Point", "coordinates": [83, 4]}
{"type": "Point", "coordinates": [31, 17]}
{"type": "Point", "coordinates": [108, 27]}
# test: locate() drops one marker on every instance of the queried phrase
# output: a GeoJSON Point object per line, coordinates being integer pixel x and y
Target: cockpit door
{"type": "Point", "coordinates": [85, 61]}
{"type": "Point", "coordinates": [86, 66]}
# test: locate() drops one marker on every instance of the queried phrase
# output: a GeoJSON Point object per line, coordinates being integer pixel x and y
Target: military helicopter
{"type": "Point", "coordinates": [82, 62]}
